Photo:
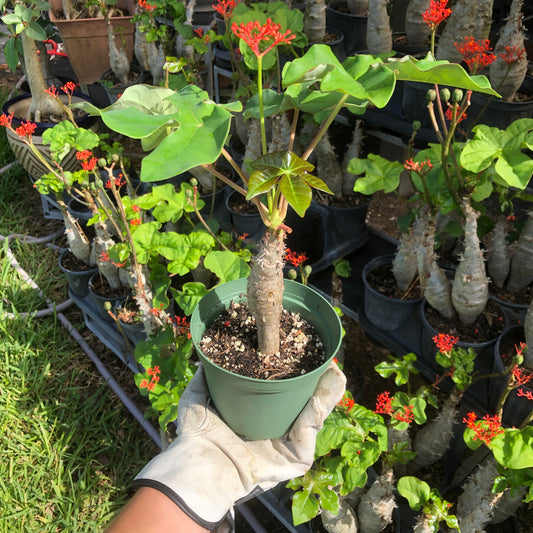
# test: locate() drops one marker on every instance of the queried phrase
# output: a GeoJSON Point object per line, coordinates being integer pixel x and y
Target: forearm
{"type": "Point", "coordinates": [150, 511]}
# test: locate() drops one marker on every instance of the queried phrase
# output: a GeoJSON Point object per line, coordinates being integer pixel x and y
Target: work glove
{"type": "Point", "coordinates": [208, 468]}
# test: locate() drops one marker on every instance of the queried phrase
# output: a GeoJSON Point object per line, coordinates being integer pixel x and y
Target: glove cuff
{"type": "Point", "coordinates": [180, 502]}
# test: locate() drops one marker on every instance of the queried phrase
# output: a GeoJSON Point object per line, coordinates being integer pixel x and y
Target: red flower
{"type": "Point", "coordinates": [52, 91]}
{"type": "Point", "coordinates": [526, 393]}
{"type": "Point", "coordinates": [512, 54]}
{"type": "Point", "coordinates": [143, 384]}
{"type": "Point", "coordinates": [225, 8]}
{"type": "Point", "coordinates": [69, 87]}
{"type": "Point", "coordinates": [135, 221]}
{"type": "Point", "coordinates": [89, 164]}
{"type": "Point", "coordinates": [384, 404]}
{"type": "Point", "coordinates": [104, 256]}
{"type": "Point", "coordinates": [146, 6]}
{"type": "Point", "coordinates": [520, 377]}
{"type": "Point", "coordinates": [445, 342]}
{"type": "Point", "coordinates": [135, 208]}
{"type": "Point", "coordinates": [83, 155]}
{"type": "Point", "coordinates": [347, 403]}
{"type": "Point", "coordinates": [254, 33]}
{"type": "Point", "coordinates": [199, 32]}
{"type": "Point", "coordinates": [436, 13]}
{"type": "Point", "coordinates": [520, 348]}
{"type": "Point", "coordinates": [294, 258]}
{"type": "Point", "coordinates": [485, 429]}
{"type": "Point", "coordinates": [243, 236]}
{"type": "Point", "coordinates": [476, 54]}
{"type": "Point", "coordinates": [406, 415]}
{"type": "Point", "coordinates": [417, 166]}
{"type": "Point", "coordinates": [26, 129]}
{"type": "Point", "coordinates": [449, 115]}
{"type": "Point", "coordinates": [5, 120]}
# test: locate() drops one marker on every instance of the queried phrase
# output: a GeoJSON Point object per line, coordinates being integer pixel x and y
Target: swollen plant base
{"type": "Point", "coordinates": [230, 342]}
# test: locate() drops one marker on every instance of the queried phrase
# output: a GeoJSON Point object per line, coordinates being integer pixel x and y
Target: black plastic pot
{"type": "Point", "coordinates": [79, 211]}
{"type": "Point", "coordinates": [245, 223]}
{"type": "Point", "coordinates": [78, 281]}
{"type": "Point", "coordinates": [353, 27]}
{"type": "Point", "coordinates": [382, 311]}
{"type": "Point", "coordinates": [114, 92]}
{"type": "Point", "coordinates": [497, 113]}
{"type": "Point", "coordinates": [135, 332]}
{"type": "Point", "coordinates": [516, 408]}
{"type": "Point", "coordinates": [100, 300]}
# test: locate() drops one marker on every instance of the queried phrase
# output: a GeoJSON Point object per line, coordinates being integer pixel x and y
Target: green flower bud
{"type": "Point", "coordinates": [307, 270]}
{"type": "Point", "coordinates": [416, 125]}
{"type": "Point", "coordinates": [102, 162]}
{"type": "Point", "coordinates": [457, 95]}
{"type": "Point", "coordinates": [292, 274]}
{"type": "Point", "coordinates": [115, 158]}
{"type": "Point", "coordinates": [98, 183]}
{"type": "Point", "coordinates": [431, 95]}
{"type": "Point", "coordinates": [188, 193]}
{"type": "Point", "coordinates": [194, 182]}
{"type": "Point", "coordinates": [445, 94]}
{"type": "Point", "coordinates": [107, 306]}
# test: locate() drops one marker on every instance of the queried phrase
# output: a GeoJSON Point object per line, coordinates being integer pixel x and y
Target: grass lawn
{"type": "Point", "coordinates": [68, 448]}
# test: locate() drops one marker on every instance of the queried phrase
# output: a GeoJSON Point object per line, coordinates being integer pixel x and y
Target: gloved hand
{"type": "Point", "coordinates": [208, 467]}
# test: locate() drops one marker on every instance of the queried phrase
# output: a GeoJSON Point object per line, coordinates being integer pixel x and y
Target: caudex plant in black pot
{"type": "Point", "coordinates": [452, 178]}
{"type": "Point", "coordinates": [184, 129]}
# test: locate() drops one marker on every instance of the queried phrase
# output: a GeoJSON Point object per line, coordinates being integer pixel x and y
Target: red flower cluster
{"type": "Point", "coordinates": [476, 54]}
{"type": "Point", "coordinates": [87, 159]}
{"type": "Point", "coordinates": [69, 87]}
{"type": "Point", "coordinates": [154, 373]}
{"type": "Point", "coordinates": [449, 116]}
{"type": "Point", "coordinates": [520, 377]}
{"type": "Point", "coordinates": [135, 208]}
{"type": "Point", "coordinates": [52, 91]}
{"type": "Point", "coordinates": [254, 33]}
{"type": "Point", "coordinates": [294, 258]}
{"type": "Point", "coordinates": [104, 256]}
{"type": "Point", "coordinates": [225, 8]}
{"type": "Point", "coordinates": [525, 393]}
{"type": "Point", "coordinates": [417, 166]}
{"type": "Point", "coordinates": [26, 129]}
{"type": "Point", "coordinates": [485, 429]}
{"type": "Point", "coordinates": [135, 221]}
{"type": "Point", "coordinates": [445, 342]}
{"type": "Point", "coordinates": [5, 120]}
{"type": "Point", "coordinates": [512, 54]}
{"type": "Point", "coordinates": [384, 404]}
{"type": "Point", "coordinates": [182, 326]}
{"type": "Point", "coordinates": [118, 182]}
{"type": "Point", "coordinates": [146, 6]}
{"type": "Point", "coordinates": [436, 13]}
{"type": "Point", "coordinates": [406, 415]}
{"type": "Point", "coordinates": [156, 311]}
{"type": "Point", "coordinates": [347, 403]}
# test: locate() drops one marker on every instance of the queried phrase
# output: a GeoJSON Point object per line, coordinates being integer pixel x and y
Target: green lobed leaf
{"type": "Point", "coordinates": [305, 507]}
{"type": "Point", "coordinates": [514, 448]}
{"type": "Point", "coordinates": [379, 174]}
{"type": "Point", "coordinates": [414, 490]}
{"type": "Point", "coordinates": [188, 298]}
{"type": "Point", "coordinates": [226, 265]}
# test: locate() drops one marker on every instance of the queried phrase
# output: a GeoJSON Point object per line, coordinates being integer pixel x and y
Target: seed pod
{"type": "Point", "coordinates": [457, 96]}
{"type": "Point", "coordinates": [445, 94]}
{"type": "Point", "coordinates": [416, 125]}
{"type": "Point", "coordinates": [431, 95]}
{"type": "Point", "coordinates": [193, 182]}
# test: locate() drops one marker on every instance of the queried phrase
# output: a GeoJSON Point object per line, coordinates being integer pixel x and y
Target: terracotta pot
{"type": "Point", "coordinates": [19, 107]}
{"type": "Point", "coordinates": [86, 40]}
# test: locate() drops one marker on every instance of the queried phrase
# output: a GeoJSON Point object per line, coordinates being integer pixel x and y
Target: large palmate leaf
{"type": "Point", "coordinates": [183, 129]}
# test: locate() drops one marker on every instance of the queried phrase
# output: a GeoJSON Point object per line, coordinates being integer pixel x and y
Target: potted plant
{"type": "Point", "coordinates": [283, 176]}
{"type": "Point", "coordinates": [96, 38]}
{"type": "Point", "coordinates": [40, 107]}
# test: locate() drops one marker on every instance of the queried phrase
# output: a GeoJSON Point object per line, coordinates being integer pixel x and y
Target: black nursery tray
{"type": "Point", "coordinates": [106, 331]}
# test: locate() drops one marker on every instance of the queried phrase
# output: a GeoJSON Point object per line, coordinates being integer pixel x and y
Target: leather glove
{"type": "Point", "coordinates": [208, 467]}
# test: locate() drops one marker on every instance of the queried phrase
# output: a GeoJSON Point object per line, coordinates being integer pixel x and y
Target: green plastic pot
{"type": "Point", "coordinates": [259, 408]}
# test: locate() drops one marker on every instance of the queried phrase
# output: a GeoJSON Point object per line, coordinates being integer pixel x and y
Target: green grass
{"type": "Point", "coordinates": [68, 448]}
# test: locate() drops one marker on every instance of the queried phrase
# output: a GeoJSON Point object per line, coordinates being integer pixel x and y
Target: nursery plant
{"type": "Point", "coordinates": [176, 124]}
{"type": "Point", "coordinates": [28, 34]}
